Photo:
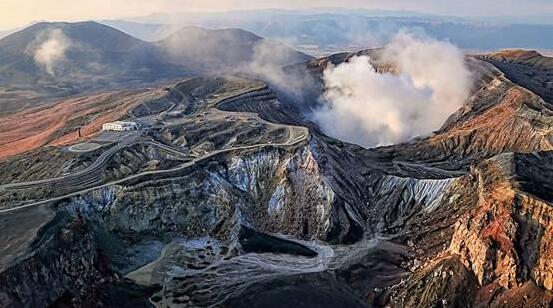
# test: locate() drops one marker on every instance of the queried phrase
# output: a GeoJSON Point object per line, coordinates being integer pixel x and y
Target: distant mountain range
{"type": "Point", "coordinates": [52, 60]}
{"type": "Point", "coordinates": [329, 31]}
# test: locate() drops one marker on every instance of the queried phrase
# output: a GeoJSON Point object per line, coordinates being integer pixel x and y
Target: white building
{"type": "Point", "coordinates": [120, 126]}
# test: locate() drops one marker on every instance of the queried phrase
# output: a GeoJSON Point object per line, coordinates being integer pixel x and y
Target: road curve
{"type": "Point", "coordinates": [293, 140]}
{"type": "Point", "coordinates": [93, 172]}
{"type": "Point", "coordinates": [297, 134]}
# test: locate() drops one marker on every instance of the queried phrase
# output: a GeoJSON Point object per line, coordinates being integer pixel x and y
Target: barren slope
{"type": "Point", "coordinates": [58, 123]}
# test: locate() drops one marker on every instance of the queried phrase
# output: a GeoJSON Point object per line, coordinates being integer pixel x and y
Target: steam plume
{"type": "Point", "coordinates": [371, 109]}
{"type": "Point", "coordinates": [51, 51]}
{"type": "Point", "coordinates": [269, 62]}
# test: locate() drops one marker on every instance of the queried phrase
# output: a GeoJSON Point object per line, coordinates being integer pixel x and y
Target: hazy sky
{"type": "Point", "coordinates": [15, 13]}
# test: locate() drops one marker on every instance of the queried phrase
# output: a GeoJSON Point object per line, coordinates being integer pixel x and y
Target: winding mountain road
{"type": "Point", "coordinates": [93, 173]}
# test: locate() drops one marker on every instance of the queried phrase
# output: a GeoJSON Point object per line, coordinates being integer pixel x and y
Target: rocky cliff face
{"type": "Point", "coordinates": [496, 247]}
{"type": "Point", "coordinates": [64, 262]}
{"type": "Point", "coordinates": [262, 188]}
{"type": "Point", "coordinates": [272, 190]}
{"type": "Point", "coordinates": [492, 249]}
{"type": "Point", "coordinates": [504, 238]}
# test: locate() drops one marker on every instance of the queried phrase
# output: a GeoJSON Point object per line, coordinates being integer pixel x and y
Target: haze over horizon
{"type": "Point", "coordinates": [20, 13]}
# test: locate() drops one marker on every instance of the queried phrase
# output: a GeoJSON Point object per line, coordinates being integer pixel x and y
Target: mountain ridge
{"type": "Point", "coordinates": [54, 60]}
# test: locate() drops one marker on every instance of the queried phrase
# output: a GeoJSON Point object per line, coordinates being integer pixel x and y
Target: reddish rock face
{"type": "Point", "coordinates": [485, 238]}
{"type": "Point", "coordinates": [503, 235]}
{"type": "Point", "coordinates": [505, 238]}
{"type": "Point", "coordinates": [502, 239]}
{"type": "Point", "coordinates": [511, 124]}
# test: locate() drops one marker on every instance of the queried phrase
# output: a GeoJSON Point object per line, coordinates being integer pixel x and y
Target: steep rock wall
{"type": "Point", "coordinates": [65, 261]}
{"type": "Point", "coordinates": [505, 239]}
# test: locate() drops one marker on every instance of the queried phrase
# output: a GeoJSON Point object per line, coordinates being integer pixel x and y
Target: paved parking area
{"type": "Point", "coordinates": [84, 147]}
{"type": "Point", "coordinates": [113, 136]}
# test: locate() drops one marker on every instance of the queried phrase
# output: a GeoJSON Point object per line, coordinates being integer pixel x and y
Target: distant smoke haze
{"type": "Point", "coordinates": [371, 109]}
{"type": "Point", "coordinates": [269, 62]}
{"type": "Point", "coordinates": [18, 12]}
{"type": "Point", "coordinates": [240, 52]}
{"type": "Point", "coordinates": [50, 49]}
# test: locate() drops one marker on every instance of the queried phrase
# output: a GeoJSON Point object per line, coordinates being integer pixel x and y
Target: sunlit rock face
{"type": "Point", "coordinates": [502, 239]}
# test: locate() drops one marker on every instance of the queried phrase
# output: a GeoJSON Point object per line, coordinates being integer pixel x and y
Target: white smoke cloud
{"type": "Point", "coordinates": [51, 49]}
{"type": "Point", "coordinates": [371, 109]}
{"type": "Point", "coordinates": [269, 62]}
